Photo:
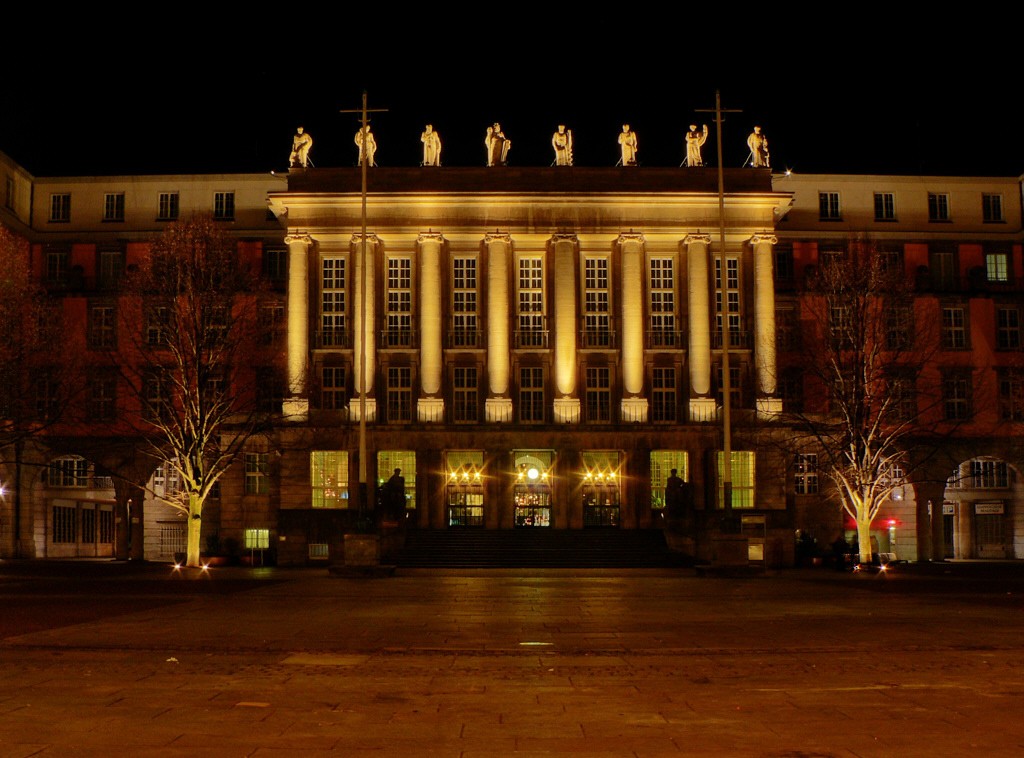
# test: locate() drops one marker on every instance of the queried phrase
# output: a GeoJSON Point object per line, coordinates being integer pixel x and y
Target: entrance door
{"type": "Point", "coordinates": [465, 508]}
{"type": "Point", "coordinates": [532, 505]}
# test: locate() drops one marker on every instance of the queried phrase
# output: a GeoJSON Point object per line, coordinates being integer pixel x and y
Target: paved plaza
{"type": "Point", "coordinates": [133, 659]}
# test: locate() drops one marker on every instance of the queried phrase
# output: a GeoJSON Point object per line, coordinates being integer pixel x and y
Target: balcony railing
{"type": "Point", "coordinates": [397, 339]}
{"type": "Point", "coordinates": [597, 339]}
{"type": "Point", "coordinates": [665, 339]}
{"type": "Point", "coordinates": [336, 338]}
{"type": "Point", "coordinates": [465, 338]}
{"type": "Point", "coordinates": [739, 339]}
{"type": "Point", "coordinates": [535, 339]}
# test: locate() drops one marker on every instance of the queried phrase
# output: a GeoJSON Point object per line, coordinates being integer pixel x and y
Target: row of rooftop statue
{"type": "Point", "coordinates": [498, 146]}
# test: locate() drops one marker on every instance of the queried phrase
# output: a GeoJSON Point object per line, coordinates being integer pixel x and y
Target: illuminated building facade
{"type": "Point", "coordinates": [536, 348]}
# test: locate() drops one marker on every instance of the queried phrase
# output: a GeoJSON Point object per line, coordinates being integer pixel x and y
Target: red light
{"type": "Point", "coordinates": [892, 522]}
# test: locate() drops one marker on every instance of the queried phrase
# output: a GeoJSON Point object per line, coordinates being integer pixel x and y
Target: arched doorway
{"type": "Point", "coordinates": [979, 511]}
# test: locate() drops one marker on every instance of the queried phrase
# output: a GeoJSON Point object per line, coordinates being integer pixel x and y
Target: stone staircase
{"type": "Point", "coordinates": [537, 548]}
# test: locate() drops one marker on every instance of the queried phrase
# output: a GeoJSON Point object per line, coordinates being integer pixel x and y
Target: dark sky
{"type": "Point", "coordinates": [226, 95]}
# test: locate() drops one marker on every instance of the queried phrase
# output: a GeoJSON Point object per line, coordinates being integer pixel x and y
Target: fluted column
{"type": "Point", "coordinates": [498, 406]}
{"type": "Point", "coordinates": [702, 405]}
{"type": "Point", "coordinates": [296, 405]}
{"type": "Point", "coordinates": [764, 325]}
{"type": "Point", "coordinates": [430, 407]}
{"type": "Point", "coordinates": [634, 405]}
{"type": "Point", "coordinates": [363, 333]}
{"type": "Point", "coordinates": [566, 405]}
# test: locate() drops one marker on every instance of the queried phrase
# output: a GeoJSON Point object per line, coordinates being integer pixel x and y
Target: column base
{"type": "Point", "coordinates": [634, 410]}
{"type": "Point", "coordinates": [498, 410]}
{"type": "Point", "coordinates": [768, 407]}
{"type": "Point", "coordinates": [430, 409]}
{"type": "Point", "coordinates": [295, 409]}
{"type": "Point", "coordinates": [567, 410]}
{"type": "Point", "coordinates": [354, 409]}
{"type": "Point", "coordinates": [703, 409]}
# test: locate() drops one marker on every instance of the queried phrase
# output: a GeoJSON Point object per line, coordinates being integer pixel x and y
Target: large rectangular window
{"type": "Point", "coordinates": [828, 206]}
{"type": "Point", "coordinates": [938, 206]}
{"type": "Point", "coordinates": [256, 482]}
{"type": "Point", "coordinates": [328, 475]}
{"type": "Point", "coordinates": [333, 396]}
{"type": "Point", "coordinates": [943, 269]}
{"type": "Point", "coordinates": [991, 208]}
{"type": "Point", "coordinates": [599, 397]}
{"type": "Point", "coordinates": [956, 394]}
{"type": "Point", "coordinates": [110, 268]}
{"type": "Point", "coordinates": [742, 479]}
{"type": "Point", "coordinates": [997, 267]}
{"type": "Point", "coordinates": [1011, 395]}
{"type": "Point", "coordinates": [662, 305]}
{"type": "Point", "coordinates": [332, 303]}
{"type": "Point", "coordinates": [60, 207]}
{"type": "Point", "coordinates": [465, 394]}
{"type": "Point", "coordinates": [531, 395]}
{"type": "Point", "coordinates": [663, 462]}
{"type": "Point", "coordinates": [596, 306]}
{"type": "Point", "coordinates": [954, 327]}
{"type": "Point", "coordinates": [113, 206]}
{"type": "Point", "coordinates": [805, 476]}
{"type": "Point", "coordinates": [102, 395]}
{"type": "Point", "coordinates": [727, 302]}
{"type": "Point", "coordinates": [167, 206]}
{"type": "Point", "coordinates": [399, 303]}
{"type": "Point", "coordinates": [885, 206]}
{"type": "Point", "coordinates": [663, 394]}
{"type": "Point", "coordinates": [1008, 328]}
{"type": "Point", "coordinates": [224, 206]}
{"type": "Point", "coordinates": [530, 310]}
{"type": "Point", "coordinates": [102, 326]}
{"type": "Point", "coordinates": [399, 395]}
{"type": "Point", "coordinates": [464, 303]}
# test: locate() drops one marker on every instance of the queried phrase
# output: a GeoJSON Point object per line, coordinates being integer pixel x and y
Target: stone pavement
{"type": "Point", "coordinates": [136, 659]}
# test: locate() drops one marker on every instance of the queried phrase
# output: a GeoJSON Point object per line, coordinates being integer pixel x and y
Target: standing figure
{"type": "Point", "coordinates": [627, 143]}
{"type": "Point", "coordinates": [364, 139]}
{"type": "Point", "coordinates": [694, 142]}
{"type": "Point", "coordinates": [562, 142]}
{"type": "Point", "coordinates": [758, 145]}
{"type": "Point", "coordinates": [497, 145]}
{"type": "Point", "coordinates": [394, 495]}
{"type": "Point", "coordinates": [301, 143]}
{"type": "Point", "coordinates": [431, 147]}
{"type": "Point", "coordinates": [674, 494]}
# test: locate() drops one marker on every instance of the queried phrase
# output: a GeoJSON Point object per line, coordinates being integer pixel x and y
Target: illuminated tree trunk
{"type": "Point", "coordinates": [195, 527]}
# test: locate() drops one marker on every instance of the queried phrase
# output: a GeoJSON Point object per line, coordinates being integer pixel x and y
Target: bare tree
{"type": "Point", "coordinates": [192, 318]}
{"type": "Point", "coordinates": [866, 353]}
{"type": "Point", "coordinates": [36, 390]}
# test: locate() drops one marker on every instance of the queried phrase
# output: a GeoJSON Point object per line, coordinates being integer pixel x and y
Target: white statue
{"type": "Point", "coordinates": [364, 139]}
{"type": "Point", "coordinates": [431, 146]}
{"type": "Point", "coordinates": [627, 142]}
{"type": "Point", "coordinates": [301, 143]}
{"type": "Point", "coordinates": [561, 141]}
{"type": "Point", "coordinates": [694, 142]}
{"type": "Point", "coordinates": [758, 145]}
{"type": "Point", "coordinates": [497, 145]}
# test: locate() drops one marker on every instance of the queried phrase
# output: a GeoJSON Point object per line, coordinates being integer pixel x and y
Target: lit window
{"type": "Point", "coordinates": [596, 316]}
{"type": "Point", "coordinates": [328, 471]}
{"type": "Point", "coordinates": [997, 267]}
{"type": "Point", "coordinates": [662, 464]}
{"type": "Point", "coordinates": [464, 303]}
{"type": "Point", "coordinates": [742, 479]}
{"type": "Point", "coordinates": [662, 304]}
{"type": "Point", "coordinates": [257, 539]}
{"type": "Point", "coordinates": [531, 331]}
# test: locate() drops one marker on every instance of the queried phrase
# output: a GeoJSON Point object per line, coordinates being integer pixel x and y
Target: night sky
{"type": "Point", "coordinates": [217, 97]}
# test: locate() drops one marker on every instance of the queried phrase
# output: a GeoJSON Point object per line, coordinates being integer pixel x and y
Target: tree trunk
{"type": "Point", "coordinates": [864, 539]}
{"type": "Point", "coordinates": [195, 528]}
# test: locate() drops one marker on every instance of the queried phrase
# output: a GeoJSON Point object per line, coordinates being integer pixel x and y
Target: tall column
{"type": "Point", "coordinates": [764, 326]}
{"type": "Point", "coordinates": [566, 405]}
{"type": "Point", "coordinates": [296, 405]}
{"type": "Point", "coordinates": [702, 404]}
{"type": "Point", "coordinates": [364, 331]}
{"type": "Point", "coordinates": [430, 407]}
{"type": "Point", "coordinates": [498, 405]}
{"type": "Point", "coordinates": [634, 405]}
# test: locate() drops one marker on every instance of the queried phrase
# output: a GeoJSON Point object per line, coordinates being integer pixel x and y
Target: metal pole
{"type": "Point", "coordinates": [363, 486]}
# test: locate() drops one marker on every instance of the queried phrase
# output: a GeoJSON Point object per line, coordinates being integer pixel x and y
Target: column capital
{"type": "Point", "coordinates": [565, 237]}
{"type": "Point", "coordinates": [764, 238]}
{"type": "Point", "coordinates": [497, 236]}
{"type": "Point", "coordinates": [625, 237]}
{"type": "Point", "coordinates": [371, 238]}
{"type": "Point", "coordinates": [697, 238]}
{"type": "Point", "coordinates": [298, 239]}
{"type": "Point", "coordinates": [429, 236]}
